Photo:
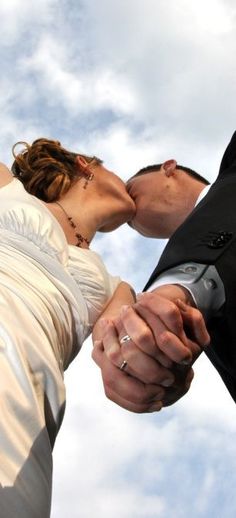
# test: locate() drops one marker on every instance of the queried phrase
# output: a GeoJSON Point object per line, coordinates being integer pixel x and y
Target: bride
{"type": "Point", "coordinates": [53, 289]}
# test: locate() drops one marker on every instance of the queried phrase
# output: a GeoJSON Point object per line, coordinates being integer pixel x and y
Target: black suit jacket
{"type": "Point", "coordinates": [208, 236]}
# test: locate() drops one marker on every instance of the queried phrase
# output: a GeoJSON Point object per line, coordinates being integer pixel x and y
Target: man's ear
{"type": "Point", "coordinates": [169, 167]}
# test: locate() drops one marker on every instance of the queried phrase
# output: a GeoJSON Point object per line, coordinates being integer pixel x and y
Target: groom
{"type": "Point", "coordinates": [197, 266]}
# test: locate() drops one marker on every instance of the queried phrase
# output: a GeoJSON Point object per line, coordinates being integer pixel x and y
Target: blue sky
{"type": "Point", "coordinates": [134, 82]}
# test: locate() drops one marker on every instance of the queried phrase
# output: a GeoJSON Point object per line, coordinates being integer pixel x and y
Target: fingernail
{"type": "Point", "coordinates": [123, 309]}
{"type": "Point", "coordinates": [97, 342]}
{"type": "Point", "coordinates": [168, 382]}
{"type": "Point", "coordinates": [187, 361]}
{"type": "Point", "coordinates": [156, 407]}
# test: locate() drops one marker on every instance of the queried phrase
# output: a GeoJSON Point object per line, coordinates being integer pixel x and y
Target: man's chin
{"type": "Point", "coordinates": [142, 231]}
{"type": "Point", "coordinates": [109, 227]}
{"type": "Point", "coordinates": [118, 220]}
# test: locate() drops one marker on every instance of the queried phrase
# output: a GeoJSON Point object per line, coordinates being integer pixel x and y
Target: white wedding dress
{"type": "Point", "coordinates": [51, 293]}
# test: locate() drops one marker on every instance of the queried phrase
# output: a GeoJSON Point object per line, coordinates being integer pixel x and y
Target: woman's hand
{"type": "Point", "coordinates": [164, 339]}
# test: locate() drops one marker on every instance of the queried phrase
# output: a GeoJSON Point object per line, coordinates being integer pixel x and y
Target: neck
{"type": "Point", "coordinates": [79, 229]}
{"type": "Point", "coordinates": [81, 240]}
{"type": "Point", "coordinates": [201, 194]}
{"type": "Point", "coordinates": [84, 211]}
{"type": "Point", "coordinates": [197, 192]}
{"type": "Point", "coordinates": [186, 206]}
{"type": "Point", "coordinates": [81, 226]}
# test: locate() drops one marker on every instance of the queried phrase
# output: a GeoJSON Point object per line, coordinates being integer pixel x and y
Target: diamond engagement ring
{"type": "Point", "coordinates": [124, 339]}
{"type": "Point", "coordinates": [123, 365]}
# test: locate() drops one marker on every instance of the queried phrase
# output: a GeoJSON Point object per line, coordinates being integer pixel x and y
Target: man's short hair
{"type": "Point", "coordinates": [157, 167]}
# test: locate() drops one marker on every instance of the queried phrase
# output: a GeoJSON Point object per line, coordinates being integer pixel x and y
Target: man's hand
{"type": "Point", "coordinates": [166, 314]}
{"type": "Point", "coordinates": [157, 355]}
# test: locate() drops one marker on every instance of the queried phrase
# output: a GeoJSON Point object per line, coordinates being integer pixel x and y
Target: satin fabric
{"type": "Point", "coordinates": [50, 296]}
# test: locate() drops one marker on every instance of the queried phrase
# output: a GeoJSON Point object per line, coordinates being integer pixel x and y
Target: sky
{"type": "Point", "coordinates": [134, 82]}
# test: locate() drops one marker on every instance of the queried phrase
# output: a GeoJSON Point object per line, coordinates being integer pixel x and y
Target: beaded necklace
{"type": "Point", "coordinates": [80, 239]}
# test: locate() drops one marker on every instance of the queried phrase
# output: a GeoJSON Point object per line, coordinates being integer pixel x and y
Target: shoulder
{"type": "Point", "coordinates": [5, 175]}
{"type": "Point", "coordinates": [229, 156]}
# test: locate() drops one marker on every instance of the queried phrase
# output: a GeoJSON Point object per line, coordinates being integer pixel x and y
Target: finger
{"type": "Point", "coordinates": [163, 308]}
{"type": "Point", "coordinates": [141, 334]}
{"type": "Point", "coordinates": [178, 348]}
{"type": "Point", "coordinates": [111, 344]}
{"type": "Point", "coordinates": [154, 406]}
{"type": "Point", "coordinates": [144, 367]}
{"type": "Point", "coordinates": [195, 323]}
{"type": "Point", "coordinates": [125, 387]}
{"type": "Point", "coordinates": [195, 349]}
{"type": "Point", "coordinates": [97, 352]}
{"type": "Point", "coordinates": [189, 378]}
{"type": "Point", "coordinates": [180, 388]}
{"type": "Point", "coordinates": [167, 347]}
{"type": "Point", "coordinates": [111, 347]}
{"type": "Point", "coordinates": [137, 329]}
{"type": "Point", "coordinates": [139, 364]}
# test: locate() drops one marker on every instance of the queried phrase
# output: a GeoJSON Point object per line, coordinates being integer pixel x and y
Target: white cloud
{"type": "Point", "coordinates": [61, 78]}
{"type": "Point", "coordinates": [21, 16]}
{"type": "Point", "coordinates": [134, 82]}
{"type": "Point", "coordinates": [175, 57]}
{"type": "Point", "coordinates": [211, 18]}
{"type": "Point", "coordinates": [149, 463]}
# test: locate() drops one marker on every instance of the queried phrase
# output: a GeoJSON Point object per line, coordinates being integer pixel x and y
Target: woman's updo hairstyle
{"type": "Point", "coordinates": [46, 169]}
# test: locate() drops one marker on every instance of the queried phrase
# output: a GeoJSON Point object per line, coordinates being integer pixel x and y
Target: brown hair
{"type": "Point", "coordinates": [48, 170]}
{"type": "Point", "coordinates": [157, 167]}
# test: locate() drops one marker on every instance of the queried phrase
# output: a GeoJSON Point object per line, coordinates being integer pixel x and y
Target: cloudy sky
{"type": "Point", "coordinates": [134, 82]}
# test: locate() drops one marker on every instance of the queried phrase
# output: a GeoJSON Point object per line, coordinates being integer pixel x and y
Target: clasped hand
{"type": "Point", "coordinates": [166, 337]}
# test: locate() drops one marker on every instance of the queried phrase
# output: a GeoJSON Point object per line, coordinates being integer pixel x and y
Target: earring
{"type": "Point", "coordinates": [88, 179]}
